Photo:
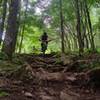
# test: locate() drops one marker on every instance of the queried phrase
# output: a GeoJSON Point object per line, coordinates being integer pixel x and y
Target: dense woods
{"type": "Point", "coordinates": [76, 28]}
{"type": "Point", "coordinates": [71, 53]}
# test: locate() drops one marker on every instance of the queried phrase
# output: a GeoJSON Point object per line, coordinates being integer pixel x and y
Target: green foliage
{"type": "Point", "coordinates": [34, 25]}
{"type": "Point", "coordinates": [3, 93]}
{"type": "Point", "coordinates": [3, 56]}
{"type": "Point", "coordinates": [98, 50]}
{"type": "Point", "coordinates": [90, 65]}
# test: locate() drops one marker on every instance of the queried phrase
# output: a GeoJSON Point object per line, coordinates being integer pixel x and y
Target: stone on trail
{"type": "Point", "coordinates": [44, 97]}
{"type": "Point", "coordinates": [65, 96]}
{"type": "Point", "coordinates": [27, 94]}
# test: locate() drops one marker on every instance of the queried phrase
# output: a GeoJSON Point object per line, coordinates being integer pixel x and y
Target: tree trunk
{"type": "Point", "coordinates": [3, 19]}
{"type": "Point", "coordinates": [79, 34]}
{"type": "Point", "coordinates": [62, 28]}
{"type": "Point", "coordinates": [90, 26]}
{"type": "Point", "coordinates": [23, 28]}
{"type": "Point", "coordinates": [12, 29]}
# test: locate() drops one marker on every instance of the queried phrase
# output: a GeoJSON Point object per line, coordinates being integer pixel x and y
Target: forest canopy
{"type": "Point", "coordinates": [72, 25]}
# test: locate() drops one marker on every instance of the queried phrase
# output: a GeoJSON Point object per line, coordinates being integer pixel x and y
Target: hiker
{"type": "Point", "coordinates": [44, 42]}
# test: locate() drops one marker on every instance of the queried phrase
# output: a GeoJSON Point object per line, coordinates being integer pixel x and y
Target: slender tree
{"type": "Point", "coordinates": [62, 27]}
{"type": "Point", "coordinates": [90, 27]}
{"type": "Point", "coordinates": [79, 34]}
{"type": "Point", "coordinates": [3, 19]}
{"type": "Point", "coordinates": [24, 26]}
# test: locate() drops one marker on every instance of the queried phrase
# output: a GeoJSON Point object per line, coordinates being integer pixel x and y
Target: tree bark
{"type": "Point", "coordinates": [62, 28]}
{"type": "Point", "coordinates": [90, 26]}
{"type": "Point", "coordinates": [3, 19]}
{"type": "Point", "coordinates": [23, 28]}
{"type": "Point", "coordinates": [79, 34]}
{"type": "Point", "coordinates": [12, 29]}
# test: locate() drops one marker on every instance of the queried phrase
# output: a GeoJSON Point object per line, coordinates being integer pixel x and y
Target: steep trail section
{"type": "Point", "coordinates": [49, 62]}
{"type": "Point", "coordinates": [46, 78]}
{"type": "Point", "coordinates": [51, 73]}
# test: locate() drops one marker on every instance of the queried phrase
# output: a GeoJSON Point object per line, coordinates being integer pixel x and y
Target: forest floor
{"type": "Point", "coordinates": [37, 77]}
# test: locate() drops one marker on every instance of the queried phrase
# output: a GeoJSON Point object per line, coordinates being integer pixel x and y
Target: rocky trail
{"type": "Point", "coordinates": [47, 78]}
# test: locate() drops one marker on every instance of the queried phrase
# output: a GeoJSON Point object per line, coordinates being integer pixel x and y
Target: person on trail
{"type": "Point", "coordinates": [44, 42]}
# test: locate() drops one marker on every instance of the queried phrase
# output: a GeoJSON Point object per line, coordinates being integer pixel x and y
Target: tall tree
{"type": "Point", "coordinates": [24, 26]}
{"type": "Point", "coordinates": [12, 29]}
{"type": "Point", "coordinates": [3, 19]}
{"type": "Point", "coordinates": [62, 27]}
{"type": "Point", "coordinates": [90, 27]}
{"type": "Point", "coordinates": [79, 34]}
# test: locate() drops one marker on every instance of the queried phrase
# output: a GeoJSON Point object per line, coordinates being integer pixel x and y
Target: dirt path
{"type": "Point", "coordinates": [45, 80]}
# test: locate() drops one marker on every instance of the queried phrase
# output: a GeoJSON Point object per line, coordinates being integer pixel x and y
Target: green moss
{"type": "Point", "coordinates": [3, 94]}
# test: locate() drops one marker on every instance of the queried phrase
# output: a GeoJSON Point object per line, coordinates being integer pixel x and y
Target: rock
{"type": "Point", "coordinates": [65, 96]}
{"type": "Point", "coordinates": [71, 78]}
{"type": "Point", "coordinates": [43, 97]}
{"type": "Point", "coordinates": [66, 59]}
{"type": "Point", "coordinates": [28, 94]}
{"type": "Point", "coordinates": [50, 91]}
